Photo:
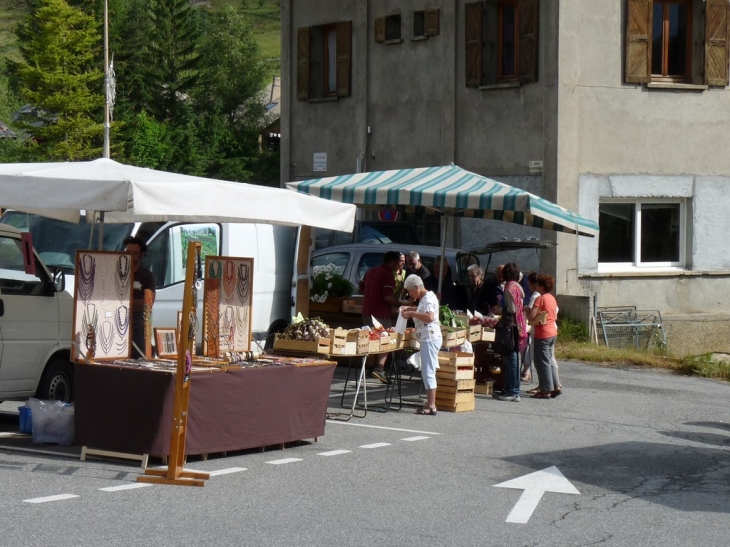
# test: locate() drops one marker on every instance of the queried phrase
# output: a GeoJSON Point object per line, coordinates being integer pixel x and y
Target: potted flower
{"type": "Point", "coordinates": [329, 288]}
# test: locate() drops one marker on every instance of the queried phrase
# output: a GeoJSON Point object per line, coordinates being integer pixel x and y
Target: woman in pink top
{"type": "Point", "coordinates": [545, 336]}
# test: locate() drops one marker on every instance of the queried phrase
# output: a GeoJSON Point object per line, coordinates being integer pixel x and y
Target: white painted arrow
{"type": "Point", "coordinates": [534, 486]}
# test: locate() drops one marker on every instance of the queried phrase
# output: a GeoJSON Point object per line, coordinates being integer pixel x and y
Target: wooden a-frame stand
{"type": "Point", "coordinates": [175, 474]}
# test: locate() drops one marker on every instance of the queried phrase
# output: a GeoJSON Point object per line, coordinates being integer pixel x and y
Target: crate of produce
{"type": "Point", "coordinates": [452, 337]}
{"type": "Point", "coordinates": [446, 405]}
{"type": "Point", "coordinates": [349, 342]}
{"type": "Point", "coordinates": [465, 372]}
{"type": "Point", "coordinates": [484, 388]}
{"type": "Point", "coordinates": [320, 345]}
{"type": "Point", "coordinates": [383, 344]}
{"type": "Point", "coordinates": [452, 386]}
{"type": "Point", "coordinates": [455, 359]}
{"type": "Point", "coordinates": [474, 333]}
{"type": "Point", "coordinates": [487, 334]}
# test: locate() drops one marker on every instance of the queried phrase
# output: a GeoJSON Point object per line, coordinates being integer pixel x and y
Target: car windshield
{"type": "Point", "coordinates": [56, 241]}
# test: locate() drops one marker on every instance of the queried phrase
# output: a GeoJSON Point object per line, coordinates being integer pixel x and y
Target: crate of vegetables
{"type": "Point", "coordinates": [306, 336]}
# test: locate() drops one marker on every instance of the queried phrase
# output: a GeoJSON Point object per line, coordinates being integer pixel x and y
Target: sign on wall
{"type": "Point", "coordinates": [320, 161]}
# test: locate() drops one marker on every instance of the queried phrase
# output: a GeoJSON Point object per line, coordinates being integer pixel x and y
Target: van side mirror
{"type": "Point", "coordinates": [59, 280]}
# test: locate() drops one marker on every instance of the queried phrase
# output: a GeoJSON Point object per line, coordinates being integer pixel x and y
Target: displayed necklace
{"type": "Point", "coordinates": [107, 337]}
{"type": "Point", "coordinates": [241, 322]}
{"type": "Point", "coordinates": [228, 327]}
{"type": "Point", "coordinates": [229, 280]}
{"type": "Point", "coordinates": [89, 321]}
{"type": "Point", "coordinates": [243, 283]}
{"type": "Point", "coordinates": [86, 276]}
{"type": "Point", "coordinates": [121, 320]}
{"type": "Point", "coordinates": [123, 277]}
{"type": "Point", "coordinates": [105, 281]}
{"type": "Point", "coordinates": [90, 341]}
{"type": "Point", "coordinates": [211, 304]}
{"type": "Point", "coordinates": [214, 269]}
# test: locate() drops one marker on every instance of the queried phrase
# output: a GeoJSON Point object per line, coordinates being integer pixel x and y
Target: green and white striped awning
{"type": "Point", "coordinates": [451, 190]}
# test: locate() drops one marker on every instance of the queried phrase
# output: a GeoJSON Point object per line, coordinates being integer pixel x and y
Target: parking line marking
{"type": "Point", "coordinates": [383, 427]}
{"type": "Point", "coordinates": [334, 452]}
{"type": "Point", "coordinates": [375, 445]}
{"type": "Point", "coordinates": [130, 486]}
{"type": "Point", "coordinates": [226, 471]}
{"type": "Point", "coordinates": [51, 498]}
{"type": "Point", "coordinates": [285, 460]}
{"type": "Point", "coordinates": [419, 438]}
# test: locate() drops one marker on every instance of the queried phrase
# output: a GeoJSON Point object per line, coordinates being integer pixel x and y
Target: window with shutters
{"type": "Point", "coordinates": [677, 42]}
{"type": "Point", "coordinates": [425, 23]}
{"type": "Point", "coordinates": [501, 42]}
{"type": "Point", "coordinates": [641, 233]}
{"type": "Point", "coordinates": [324, 61]}
{"type": "Point", "coordinates": [393, 28]}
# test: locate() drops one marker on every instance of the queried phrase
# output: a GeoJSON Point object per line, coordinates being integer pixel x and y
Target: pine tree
{"type": "Point", "coordinates": [61, 77]}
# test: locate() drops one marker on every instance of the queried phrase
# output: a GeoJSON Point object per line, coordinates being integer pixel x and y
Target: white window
{"type": "Point", "coordinates": [647, 233]}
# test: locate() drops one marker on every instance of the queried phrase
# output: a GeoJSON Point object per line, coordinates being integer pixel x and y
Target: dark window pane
{"type": "Point", "coordinates": [419, 23]}
{"type": "Point", "coordinates": [677, 55]}
{"type": "Point", "coordinates": [616, 238]}
{"type": "Point", "coordinates": [392, 27]}
{"type": "Point", "coordinates": [657, 44]}
{"type": "Point", "coordinates": [508, 40]}
{"type": "Point", "coordinates": [660, 232]}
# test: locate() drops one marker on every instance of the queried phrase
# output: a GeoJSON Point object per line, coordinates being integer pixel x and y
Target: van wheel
{"type": "Point", "coordinates": [57, 381]}
{"type": "Point", "coordinates": [276, 327]}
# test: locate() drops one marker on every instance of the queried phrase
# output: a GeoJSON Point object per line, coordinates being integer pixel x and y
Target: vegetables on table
{"type": "Point", "coordinates": [307, 329]}
{"type": "Point", "coordinates": [448, 319]}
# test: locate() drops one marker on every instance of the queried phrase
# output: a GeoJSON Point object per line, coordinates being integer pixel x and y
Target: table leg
{"type": "Point", "coordinates": [360, 382]}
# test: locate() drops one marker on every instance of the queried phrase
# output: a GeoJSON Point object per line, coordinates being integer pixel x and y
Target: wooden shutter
{"type": "Point", "coordinates": [529, 21]}
{"type": "Point", "coordinates": [638, 41]}
{"type": "Point", "coordinates": [473, 31]}
{"type": "Point", "coordinates": [303, 50]}
{"type": "Point", "coordinates": [344, 58]}
{"type": "Point", "coordinates": [717, 23]}
{"type": "Point", "coordinates": [431, 26]}
{"type": "Point", "coordinates": [380, 29]}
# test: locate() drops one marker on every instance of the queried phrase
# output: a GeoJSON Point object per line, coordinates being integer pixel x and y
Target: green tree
{"type": "Point", "coordinates": [60, 76]}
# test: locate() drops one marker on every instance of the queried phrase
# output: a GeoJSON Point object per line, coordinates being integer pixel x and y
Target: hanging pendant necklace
{"type": "Point", "coordinates": [241, 321]}
{"type": "Point", "coordinates": [89, 321]}
{"type": "Point", "coordinates": [122, 320]}
{"type": "Point", "coordinates": [123, 277]}
{"type": "Point", "coordinates": [105, 281]}
{"type": "Point", "coordinates": [229, 280]}
{"type": "Point", "coordinates": [214, 270]}
{"type": "Point", "coordinates": [107, 337]}
{"type": "Point", "coordinates": [86, 275]}
{"type": "Point", "coordinates": [242, 285]}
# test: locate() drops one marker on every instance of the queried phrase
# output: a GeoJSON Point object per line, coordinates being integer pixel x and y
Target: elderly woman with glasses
{"type": "Point", "coordinates": [428, 332]}
{"type": "Point", "coordinates": [482, 293]}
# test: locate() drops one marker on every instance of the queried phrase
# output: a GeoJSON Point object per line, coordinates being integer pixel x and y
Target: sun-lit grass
{"type": "Point", "coordinates": [573, 344]}
{"type": "Point", "coordinates": [10, 14]}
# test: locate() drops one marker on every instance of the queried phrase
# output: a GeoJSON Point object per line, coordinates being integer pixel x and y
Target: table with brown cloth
{"type": "Point", "coordinates": [130, 410]}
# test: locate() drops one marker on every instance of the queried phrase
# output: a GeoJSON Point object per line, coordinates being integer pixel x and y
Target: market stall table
{"type": "Point", "coordinates": [129, 410]}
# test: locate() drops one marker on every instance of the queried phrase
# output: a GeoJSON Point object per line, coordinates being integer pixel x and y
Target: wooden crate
{"type": "Point", "coordinates": [455, 358]}
{"type": "Point", "coordinates": [446, 406]}
{"type": "Point", "coordinates": [465, 396]}
{"type": "Point", "coordinates": [474, 333]}
{"type": "Point", "coordinates": [458, 373]}
{"type": "Point", "coordinates": [383, 345]}
{"type": "Point", "coordinates": [321, 345]}
{"type": "Point", "coordinates": [349, 342]}
{"type": "Point", "coordinates": [484, 389]}
{"type": "Point", "coordinates": [452, 338]}
{"type": "Point", "coordinates": [487, 334]}
{"type": "Point", "coordinates": [448, 385]}
{"type": "Point", "coordinates": [352, 305]}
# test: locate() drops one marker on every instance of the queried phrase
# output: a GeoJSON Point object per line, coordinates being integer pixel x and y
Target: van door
{"type": "Point", "coordinates": [166, 258]}
{"type": "Point", "coordinates": [29, 322]}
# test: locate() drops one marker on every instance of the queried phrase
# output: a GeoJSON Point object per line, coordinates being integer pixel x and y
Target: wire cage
{"type": "Point", "coordinates": [627, 327]}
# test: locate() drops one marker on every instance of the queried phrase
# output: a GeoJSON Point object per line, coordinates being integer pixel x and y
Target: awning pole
{"type": "Point", "coordinates": [445, 228]}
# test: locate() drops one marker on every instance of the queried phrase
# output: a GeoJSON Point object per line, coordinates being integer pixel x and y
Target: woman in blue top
{"type": "Point", "coordinates": [428, 332]}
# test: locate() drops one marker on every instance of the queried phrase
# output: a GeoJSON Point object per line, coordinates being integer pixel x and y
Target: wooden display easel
{"type": "Point", "coordinates": [174, 474]}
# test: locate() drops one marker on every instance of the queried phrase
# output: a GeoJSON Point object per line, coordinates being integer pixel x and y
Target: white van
{"type": "Point", "coordinates": [271, 247]}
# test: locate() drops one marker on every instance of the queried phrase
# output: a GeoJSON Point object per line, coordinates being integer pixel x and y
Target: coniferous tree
{"type": "Point", "coordinates": [61, 77]}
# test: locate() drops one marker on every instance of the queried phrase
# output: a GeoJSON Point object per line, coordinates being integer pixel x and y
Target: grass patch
{"type": "Point", "coordinates": [573, 344]}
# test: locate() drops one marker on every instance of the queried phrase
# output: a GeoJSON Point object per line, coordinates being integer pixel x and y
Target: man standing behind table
{"type": "Point", "coordinates": [446, 296]}
{"type": "Point", "coordinates": [415, 267]}
{"type": "Point", "coordinates": [143, 279]}
{"type": "Point", "coordinates": [379, 301]}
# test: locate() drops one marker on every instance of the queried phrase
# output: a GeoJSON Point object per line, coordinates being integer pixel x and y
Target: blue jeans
{"type": "Point", "coordinates": [511, 375]}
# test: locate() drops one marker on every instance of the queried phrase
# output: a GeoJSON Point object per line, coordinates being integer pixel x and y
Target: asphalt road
{"type": "Point", "coordinates": [648, 454]}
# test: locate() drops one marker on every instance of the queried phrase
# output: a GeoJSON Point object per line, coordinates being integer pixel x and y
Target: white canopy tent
{"type": "Point", "coordinates": [126, 193]}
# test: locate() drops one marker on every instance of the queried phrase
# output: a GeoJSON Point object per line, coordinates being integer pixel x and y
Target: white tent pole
{"type": "Point", "coordinates": [101, 230]}
{"type": "Point", "coordinates": [444, 229]}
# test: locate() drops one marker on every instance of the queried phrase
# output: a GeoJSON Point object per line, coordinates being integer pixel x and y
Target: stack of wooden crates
{"type": "Point", "coordinates": [455, 382]}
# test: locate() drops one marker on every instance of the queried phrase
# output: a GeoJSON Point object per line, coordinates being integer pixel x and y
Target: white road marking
{"type": "Point", "coordinates": [51, 498]}
{"type": "Point", "coordinates": [130, 486]}
{"type": "Point", "coordinates": [382, 427]}
{"type": "Point", "coordinates": [375, 445]}
{"type": "Point", "coordinates": [333, 453]}
{"type": "Point", "coordinates": [534, 486]}
{"type": "Point", "coordinates": [285, 460]}
{"type": "Point", "coordinates": [15, 435]}
{"type": "Point", "coordinates": [226, 471]}
{"type": "Point", "coordinates": [419, 438]}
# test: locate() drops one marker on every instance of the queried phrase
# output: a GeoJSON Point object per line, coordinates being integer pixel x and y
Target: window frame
{"type": "Point", "coordinates": [329, 66]}
{"type": "Point", "coordinates": [309, 64]}
{"type": "Point", "coordinates": [637, 265]}
{"type": "Point", "coordinates": [391, 22]}
{"type": "Point", "coordinates": [501, 76]}
{"type": "Point", "coordinates": [664, 76]}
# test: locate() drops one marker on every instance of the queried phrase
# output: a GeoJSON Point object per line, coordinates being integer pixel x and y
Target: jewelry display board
{"type": "Point", "coordinates": [102, 306]}
{"type": "Point", "coordinates": [227, 304]}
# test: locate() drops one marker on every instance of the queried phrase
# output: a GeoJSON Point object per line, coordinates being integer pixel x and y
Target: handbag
{"type": "Point", "coordinates": [540, 319]}
{"type": "Point", "coordinates": [504, 336]}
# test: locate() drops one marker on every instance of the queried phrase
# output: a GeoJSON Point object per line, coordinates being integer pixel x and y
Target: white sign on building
{"type": "Point", "coordinates": [320, 161]}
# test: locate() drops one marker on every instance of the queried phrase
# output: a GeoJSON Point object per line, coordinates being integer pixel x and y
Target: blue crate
{"type": "Point", "coordinates": [26, 419]}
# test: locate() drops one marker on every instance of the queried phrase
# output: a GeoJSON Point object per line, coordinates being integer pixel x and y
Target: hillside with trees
{"type": "Point", "coordinates": [188, 83]}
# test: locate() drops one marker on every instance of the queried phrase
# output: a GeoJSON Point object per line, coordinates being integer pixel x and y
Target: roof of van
{"type": "Point", "coordinates": [425, 250]}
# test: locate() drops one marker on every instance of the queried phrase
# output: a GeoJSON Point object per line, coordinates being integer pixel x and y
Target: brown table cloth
{"type": "Point", "coordinates": [130, 410]}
